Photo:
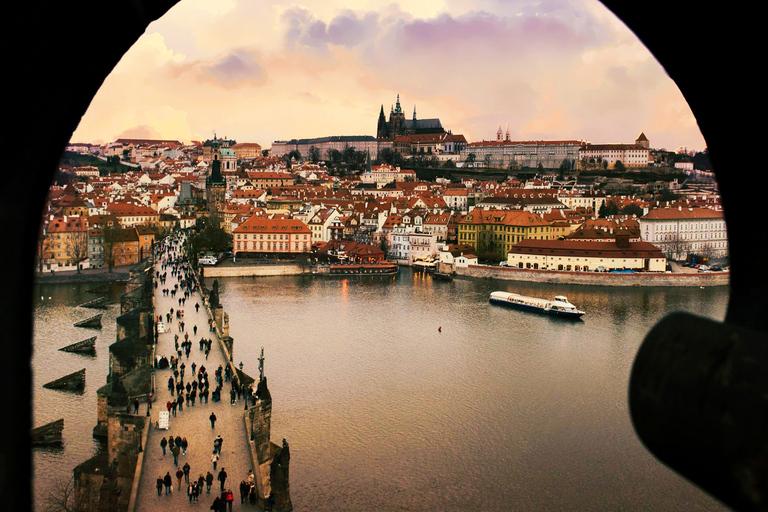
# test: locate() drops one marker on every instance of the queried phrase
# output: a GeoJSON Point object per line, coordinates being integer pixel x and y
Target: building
{"type": "Point", "coordinates": [247, 150]}
{"type": "Point", "coordinates": [361, 143]}
{"type": "Point", "coordinates": [577, 256]}
{"type": "Point", "coordinates": [65, 243]}
{"type": "Point", "coordinates": [215, 184]}
{"type": "Point", "coordinates": [631, 155]}
{"type": "Point", "coordinates": [457, 255]}
{"type": "Point", "coordinates": [492, 233]}
{"type": "Point", "coordinates": [260, 235]}
{"type": "Point", "coordinates": [681, 232]}
{"type": "Point", "coordinates": [523, 154]}
{"type": "Point", "coordinates": [398, 125]}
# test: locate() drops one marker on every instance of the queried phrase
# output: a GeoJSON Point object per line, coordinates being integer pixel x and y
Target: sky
{"type": "Point", "coordinates": [260, 71]}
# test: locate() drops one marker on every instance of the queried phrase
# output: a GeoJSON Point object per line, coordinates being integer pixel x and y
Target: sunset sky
{"type": "Point", "coordinates": [259, 71]}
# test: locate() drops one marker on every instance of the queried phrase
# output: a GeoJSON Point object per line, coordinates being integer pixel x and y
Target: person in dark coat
{"type": "Point", "coordinates": [167, 482]}
{"type": "Point", "coordinates": [212, 417]}
{"type": "Point", "coordinates": [163, 444]}
{"type": "Point", "coordinates": [208, 482]}
{"type": "Point", "coordinates": [222, 478]}
{"type": "Point", "coordinates": [159, 486]}
{"type": "Point", "coordinates": [216, 506]}
{"type": "Point", "coordinates": [244, 488]}
{"type": "Point", "coordinates": [186, 469]}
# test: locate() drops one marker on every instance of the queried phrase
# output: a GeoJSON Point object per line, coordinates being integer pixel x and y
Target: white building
{"type": "Point", "coordinates": [631, 155]}
{"type": "Point", "coordinates": [681, 231]}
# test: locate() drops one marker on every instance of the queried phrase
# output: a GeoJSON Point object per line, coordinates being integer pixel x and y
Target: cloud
{"type": "Point", "coordinates": [238, 68]}
{"type": "Point", "coordinates": [303, 31]}
{"type": "Point", "coordinates": [140, 132]}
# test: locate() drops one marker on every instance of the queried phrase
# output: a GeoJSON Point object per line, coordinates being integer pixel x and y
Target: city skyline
{"type": "Point", "coordinates": [265, 71]}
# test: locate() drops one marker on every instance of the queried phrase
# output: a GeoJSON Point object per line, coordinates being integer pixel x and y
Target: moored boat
{"type": "Point", "coordinates": [559, 306]}
{"type": "Point", "coordinates": [362, 269]}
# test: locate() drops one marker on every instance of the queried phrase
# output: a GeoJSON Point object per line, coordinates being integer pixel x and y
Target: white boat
{"type": "Point", "coordinates": [558, 307]}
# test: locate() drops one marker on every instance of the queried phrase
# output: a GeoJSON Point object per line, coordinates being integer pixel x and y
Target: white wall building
{"type": "Point", "coordinates": [681, 231]}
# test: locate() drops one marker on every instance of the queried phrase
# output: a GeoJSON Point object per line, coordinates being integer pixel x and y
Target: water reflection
{"type": "Point", "coordinates": [500, 407]}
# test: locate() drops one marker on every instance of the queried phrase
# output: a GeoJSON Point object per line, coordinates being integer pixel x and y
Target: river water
{"type": "Point", "coordinates": [499, 410]}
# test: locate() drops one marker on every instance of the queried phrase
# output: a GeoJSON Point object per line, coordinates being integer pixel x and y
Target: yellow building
{"type": "Point", "coordinates": [65, 244]}
{"type": "Point", "coordinates": [493, 232]}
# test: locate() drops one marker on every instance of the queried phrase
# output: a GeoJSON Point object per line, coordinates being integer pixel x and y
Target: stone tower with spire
{"type": "Point", "coordinates": [398, 125]}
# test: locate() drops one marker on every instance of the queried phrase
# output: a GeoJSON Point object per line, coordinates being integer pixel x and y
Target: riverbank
{"type": "Point", "coordinates": [99, 275]}
{"type": "Point", "coordinates": [673, 279]}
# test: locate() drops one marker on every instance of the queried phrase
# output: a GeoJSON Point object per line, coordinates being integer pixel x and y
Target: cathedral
{"type": "Point", "coordinates": [398, 125]}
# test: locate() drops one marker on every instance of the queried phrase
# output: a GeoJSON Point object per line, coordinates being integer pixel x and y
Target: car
{"type": "Point", "coordinates": [703, 268]}
{"type": "Point", "coordinates": [208, 260]}
{"type": "Point", "coordinates": [715, 268]}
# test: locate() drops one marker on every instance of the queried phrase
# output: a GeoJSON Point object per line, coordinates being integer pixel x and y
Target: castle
{"type": "Point", "coordinates": [398, 125]}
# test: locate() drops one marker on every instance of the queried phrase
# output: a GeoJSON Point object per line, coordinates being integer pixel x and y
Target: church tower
{"type": "Point", "coordinates": [382, 130]}
{"type": "Point", "coordinates": [499, 133]}
{"type": "Point", "coordinates": [215, 185]}
{"type": "Point", "coordinates": [396, 119]}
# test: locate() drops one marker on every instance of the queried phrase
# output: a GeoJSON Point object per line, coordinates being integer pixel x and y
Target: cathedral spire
{"type": "Point", "coordinates": [414, 112]}
{"type": "Point", "coordinates": [397, 105]}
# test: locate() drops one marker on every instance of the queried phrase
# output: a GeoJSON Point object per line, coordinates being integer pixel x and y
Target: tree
{"type": "Point", "coordinates": [619, 166]}
{"type": "Point", "coordinates": [487, 160]}
{"type": "Point", "coordinates": [314, 154]}
{"type": "Point", "coordinates": [471, 158]}
{"type": "Point", "coordinates": [632, 209]}
{"type": "Point", "coordinates": [675, 246]}
{"type": "Point", "coordinates": [111, 232]}
{"type": "Point", "coordinates": [77, 247]}
{"type": "Point", "coordinates": [607, 209]}
{"type": "Point", "coordinates": [44, 245]}
{"type": "Point", "coordinates": [334, 156]}
{"type": "Point", "coordinates": [66, 497]}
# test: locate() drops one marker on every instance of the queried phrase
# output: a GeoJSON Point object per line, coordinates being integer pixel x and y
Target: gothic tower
{"type": "Point", "coordinates": [215, 185]}
{"type": "Point", "coordinates": [382, 130]}
{"type": "Point", "coordinates": [396, 119]}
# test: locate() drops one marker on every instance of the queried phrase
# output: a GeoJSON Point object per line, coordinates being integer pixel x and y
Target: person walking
{"type": "Point", "coordinates": [184, 445]}
{"type": "Point", "coordinates": [186, 469]}
{"type": "Point", "coordinates": [212, 417]}
{"type": "Point", "coordinates": [175, 451]}
{"type": "Point", "coordinates": [163, 444]}
{"type": "Point", "coordinates": [222, 478]}
{"type": "Point", "coordinates": [214, 459]}
{"type": "Point", "coordinates": [160, 486]}
{"type": "Point", "coordinates": [208, 482]}
{"type": "Point", "coordinates": [167, 482]}
{"type": "Point", "coordinates": [179, 476]}
{"type": "Point", "coordinates": [244, 488]}
{"type": "Point", "coordinates": [229, 497]}
{"type": "Point", "coordinates": [200, 484]}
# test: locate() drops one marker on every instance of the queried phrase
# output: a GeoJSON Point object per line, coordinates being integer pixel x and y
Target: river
{"type": "Point", "coordinates": [405, 394]}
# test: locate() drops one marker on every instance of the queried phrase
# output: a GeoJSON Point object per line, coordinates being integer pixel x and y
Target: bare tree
{"type": "Point", "coordinates": [77, 247]}
{"type": "Point", "coordinates": [676, 247]}
{"type": "Point", "coordinates": [109, 242]}
{"type": "Point", "coordinates": [64, 496]}
{"type": "Point", "coordinates": [44, 244]}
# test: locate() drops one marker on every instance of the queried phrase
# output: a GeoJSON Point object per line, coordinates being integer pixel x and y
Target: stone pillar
{"type": "Point", "coordinates": [279, 482]}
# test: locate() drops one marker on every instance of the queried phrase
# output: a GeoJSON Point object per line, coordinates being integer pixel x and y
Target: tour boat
{"type": "Point", "coordinates": [558, 307]}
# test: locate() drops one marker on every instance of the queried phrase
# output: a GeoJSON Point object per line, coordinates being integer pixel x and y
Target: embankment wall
{"type": "Point", "coordinates": [596, 278]}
